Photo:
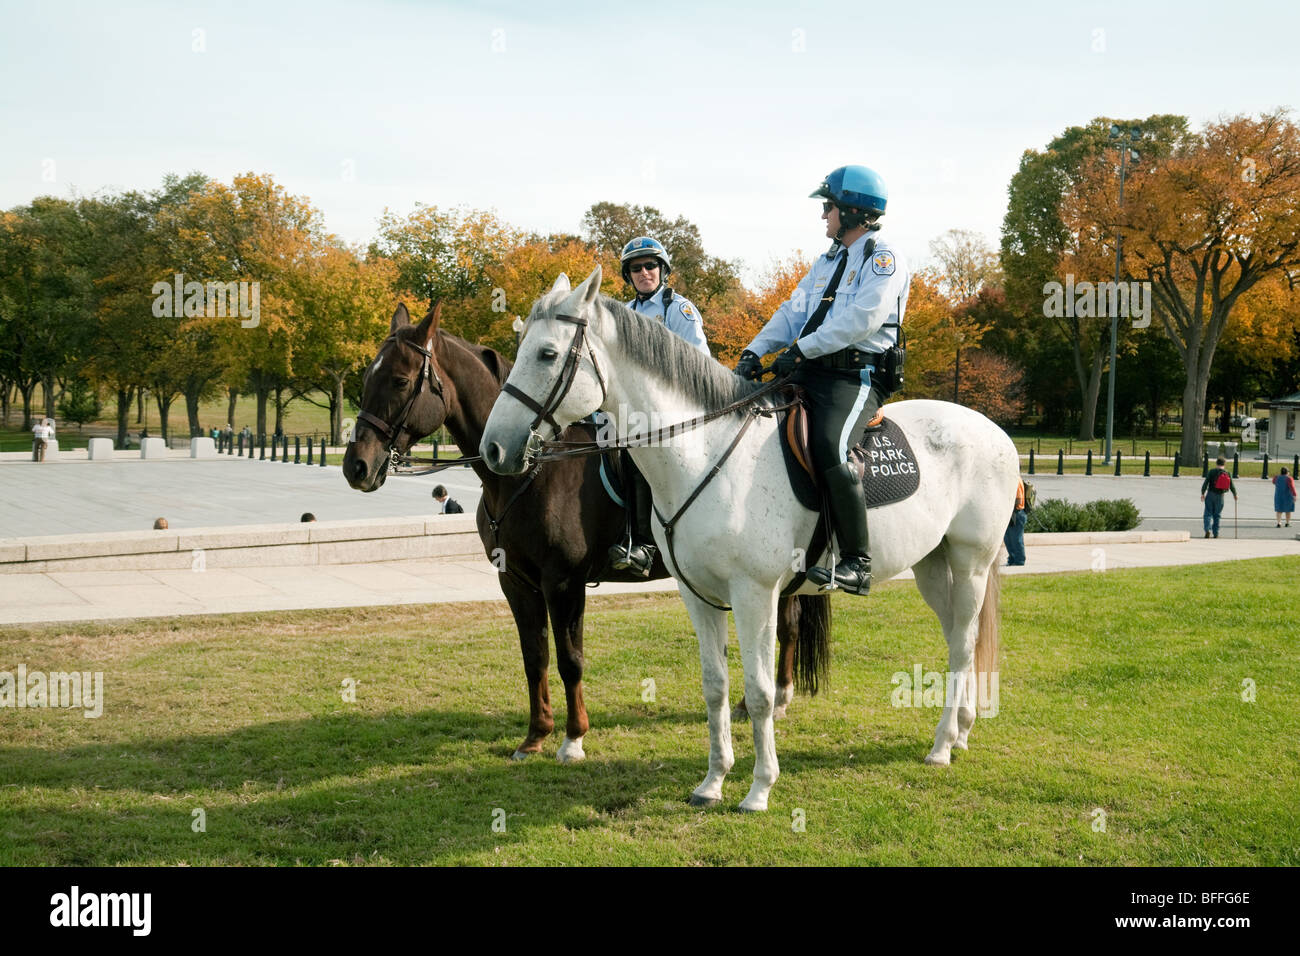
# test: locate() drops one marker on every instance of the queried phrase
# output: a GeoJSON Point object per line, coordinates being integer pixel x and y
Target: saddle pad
{"type": "Point", "coordinates": [889, 469]}
{"type": "Point", "coordinates": [884, 458]}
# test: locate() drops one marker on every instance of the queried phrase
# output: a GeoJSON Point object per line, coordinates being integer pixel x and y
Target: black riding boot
{"type": "Point", "coordinates": [636, 553]}
{"type": "Point", "coordinates": [849, 516]}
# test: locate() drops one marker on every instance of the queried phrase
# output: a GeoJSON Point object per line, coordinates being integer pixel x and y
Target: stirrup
{"type": "Point", "coordinates": [637, 559]}
{"type": "Point", "coordinates": [851, 575]}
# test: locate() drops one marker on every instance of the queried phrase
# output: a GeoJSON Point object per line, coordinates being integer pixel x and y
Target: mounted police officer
{"type": "Point", "coordinates": [840, 323]}
{"type": "Point", "coordinates": [646, 267]}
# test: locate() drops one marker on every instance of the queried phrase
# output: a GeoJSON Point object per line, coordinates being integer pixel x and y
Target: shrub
{"type": "Point", "coordinates": [1057, 515]}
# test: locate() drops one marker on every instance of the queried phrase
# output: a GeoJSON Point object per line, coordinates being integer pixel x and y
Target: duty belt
{"type": "Point", "coordinates": [849, 359]}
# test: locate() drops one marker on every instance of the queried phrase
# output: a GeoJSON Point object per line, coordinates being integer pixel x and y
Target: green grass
{"type": "Point", "coordinates": [1119, 691]}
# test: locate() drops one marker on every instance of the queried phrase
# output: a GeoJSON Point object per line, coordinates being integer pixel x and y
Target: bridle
{"type": "Point", "coordinates": [389, 433]}
{"type": "Point", "coordinates": [546, 410]}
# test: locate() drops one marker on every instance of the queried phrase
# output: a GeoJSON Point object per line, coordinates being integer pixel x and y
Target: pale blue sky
{"type": "Point", "coordinates": [712, 113]}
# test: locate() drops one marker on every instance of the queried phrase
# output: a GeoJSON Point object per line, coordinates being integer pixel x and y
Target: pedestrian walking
{"type": "Point", "coordinates": [1014, 539]}
{"type": "Point", "coordinates": [1283, 497]}
{"type": "Point", "coordinates": [446, 505]}
{"type": "Point", "coordinates": [1217, 483]}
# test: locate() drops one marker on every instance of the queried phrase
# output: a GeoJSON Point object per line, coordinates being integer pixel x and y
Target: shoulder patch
{"type": "Point", "coordinates": [687, 310]}
{"type": "Point", "coordinates": [882, 263]}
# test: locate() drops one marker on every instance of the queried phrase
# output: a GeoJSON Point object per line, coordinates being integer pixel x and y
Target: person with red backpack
{"type": "Point", "coordinates": [1217, 483]}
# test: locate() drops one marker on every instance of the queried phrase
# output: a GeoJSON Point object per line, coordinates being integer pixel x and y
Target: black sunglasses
{"type": "Point", "coordinates": [827, 206]}
{"type": "Point", "coordinates": [642, 266]}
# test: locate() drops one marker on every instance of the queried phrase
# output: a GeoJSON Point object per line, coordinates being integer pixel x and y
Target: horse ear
{"type": "Point", "coordinates": [561, 283]}
{"type": "Point", "coordinates": [427, 330]}
{"type": "Point", "coordinates": [400, 318]}
{"type": "Point", "coordinates": [590, 287]}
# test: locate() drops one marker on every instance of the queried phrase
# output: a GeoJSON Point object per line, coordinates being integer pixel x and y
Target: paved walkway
{"type": "Point", "coordinates": [75, 497]}
{"type": "Point", "coordinates": [104, 595]}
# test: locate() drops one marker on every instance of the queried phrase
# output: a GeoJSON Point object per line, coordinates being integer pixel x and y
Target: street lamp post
{"type": "Point", "coordinates": [1134, 134]}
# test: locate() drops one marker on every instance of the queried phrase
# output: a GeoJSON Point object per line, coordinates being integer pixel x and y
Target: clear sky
{"type": "Point", "coordinates": [728, 114]}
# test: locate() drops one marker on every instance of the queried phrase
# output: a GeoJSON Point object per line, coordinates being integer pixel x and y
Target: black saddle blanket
{"type": "Point", "coordinates": [889, 469]}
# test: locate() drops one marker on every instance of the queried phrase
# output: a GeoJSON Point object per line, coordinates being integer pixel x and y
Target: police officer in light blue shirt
{"type": "Point", "coordinates": [843, 316]}
{"type": "Point", "coordinates": [646, 267]}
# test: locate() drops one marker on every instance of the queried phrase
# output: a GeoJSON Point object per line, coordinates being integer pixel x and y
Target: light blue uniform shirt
{"type": "Point", "coordinates": [682, 318]}
{"type": "Point", "coordinates": [871, 293]}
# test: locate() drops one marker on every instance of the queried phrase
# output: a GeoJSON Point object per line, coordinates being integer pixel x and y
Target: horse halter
{"type": "Point", "coordinates": [428, 372]}
{"type": "Point", "coordinates": [546, 410]}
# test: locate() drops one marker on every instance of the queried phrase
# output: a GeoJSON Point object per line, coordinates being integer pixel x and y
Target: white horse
{"type": "Point", "coordinates": [739, 542]}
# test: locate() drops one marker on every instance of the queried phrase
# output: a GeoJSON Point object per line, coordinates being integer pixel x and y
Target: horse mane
{"type": "Point", "coordinates": [679, 364]}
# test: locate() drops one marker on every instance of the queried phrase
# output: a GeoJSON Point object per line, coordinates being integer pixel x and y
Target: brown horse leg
{"type": "Point", "coordinates": [787, 636]}
{"type": "Point", "coordinates": [567, 600]}
{"type": "Point", "coordinates": [529, 609]}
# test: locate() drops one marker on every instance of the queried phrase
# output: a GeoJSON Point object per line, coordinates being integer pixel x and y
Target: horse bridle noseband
{"type": "Point", "coordinates": [429, 373]}
{"type": "Point", "coordinates": [546, 410]}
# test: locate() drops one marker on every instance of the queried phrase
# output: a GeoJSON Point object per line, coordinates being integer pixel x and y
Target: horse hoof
{"type": "Point", "coordinates": [570, 752]}
{"type": "Point", "coordinates": [739, 713]}
{"type": "Point", "coordinates": [937, 760]}
{"type": "Point", "coordinates": [699, 801]}
{"type": "Point", "coordinates": [757, 806]}
{"type": "Point", "coordinates": [520, 755]}
{"type": "Point", "coordinates": [778, 713]}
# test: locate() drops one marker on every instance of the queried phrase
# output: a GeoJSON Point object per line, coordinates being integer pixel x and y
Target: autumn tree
{"type": "Point", "coordinates": [1040, 246]}
{"type": "Point", "coordinates": [935, 330]}
{"type": "Point", "coordinates": [1206, 225]}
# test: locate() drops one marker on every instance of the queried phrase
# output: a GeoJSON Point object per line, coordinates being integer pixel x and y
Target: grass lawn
{"type": "Point", "coordinates": [1121, 694]}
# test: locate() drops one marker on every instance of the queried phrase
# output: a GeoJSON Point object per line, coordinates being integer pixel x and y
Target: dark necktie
{"type": "Point", "coordinates": [827, 300]}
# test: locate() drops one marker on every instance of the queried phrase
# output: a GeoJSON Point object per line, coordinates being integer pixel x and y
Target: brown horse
{"type": "Point", "coordinates": [553, 527]}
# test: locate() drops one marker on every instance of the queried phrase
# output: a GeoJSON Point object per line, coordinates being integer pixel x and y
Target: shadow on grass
{"type": "Point", "coordinates": [416, 788]}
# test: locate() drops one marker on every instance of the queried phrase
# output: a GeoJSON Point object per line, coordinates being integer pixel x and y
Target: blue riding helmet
{"type": "Point", "coordinates": [640, 248]}
{"type": "Point", "coordinates": [855, 186]}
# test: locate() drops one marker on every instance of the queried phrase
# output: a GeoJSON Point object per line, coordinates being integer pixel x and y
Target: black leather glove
{"type": "Point", "coordinates": [750, 365]}
{"type": "Point", "coordinates": [787, 361]}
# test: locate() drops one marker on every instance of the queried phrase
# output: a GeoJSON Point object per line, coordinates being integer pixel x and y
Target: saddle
{"type": "Point", "coordinates": [882, 457]}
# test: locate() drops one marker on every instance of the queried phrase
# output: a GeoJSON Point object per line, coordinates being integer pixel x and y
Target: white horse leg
{"type": "Point", "coordinates": [755, 609]}
{"type": "Point", "coordinates": [967, 596]}
{"type": "Point", "coordinates": [711, 632]}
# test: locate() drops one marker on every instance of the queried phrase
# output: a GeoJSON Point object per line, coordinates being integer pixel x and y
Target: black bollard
{"type": "Point", "coordinates": [240, 443]}
{"type": "Point", "coordinates": [284, 448]}
{"type": "Point", "coordinates": [273, 443]}
{"type": "Point", "coordinates": [1265, 472]}
{"type": "Point", "coordinates": [1118, 454]}
{"type": "Point", "coordinates": [322, 452]}
{"type": "Point", "coordinates": [1295, 464]}
{"type": "Point", "coordinates": [1031, 461]}
{"type": "Point", "coordinates": [1089, 469]}
{"type": "Point", "coordinates": [1205, 464]}
{"type": "Point", "coordinates": [297, 450]}
{"type": "Point", "coordinates": [311, 447]}
{"type": "Point", "coordinates": [1146, 465]}
{"type": "Point", "coordinates": [263, 437]}
{"type": "Point", "coordinates": [1236, 460]}
{"type": "Point", "coordinates": [1060, 462]}
{"type": "Point", "coordinates": [1176, 464]}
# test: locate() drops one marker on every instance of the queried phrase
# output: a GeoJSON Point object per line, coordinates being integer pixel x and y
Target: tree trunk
{"type": "Point", "coordinates": [164, 405]}
{"type": "Point", "coordinates": [139, 405]}
{"type": "Point", "coordinates": [123, 413]}
{"type": "Point", "coordinates": [26, 391]}
{"type": "Point", "coordinates": [279, 410]}
{"type": "Point", "coordinates": [4, 402]}
{"type": "Point", "coordinates": [263, 393]}
{"type": "Point", "coordinates": [1193, 412]}
{"type": "Point", "coordinates": [230, 408]}
{"type": "Point", "coordinates": [336, 411]}
{"type": "Point", "coordinates": [192, 411]}
{"type": "Point", "coordinates": [47, 387]}
{"type": "Point", "coordinates": [1091, 389]}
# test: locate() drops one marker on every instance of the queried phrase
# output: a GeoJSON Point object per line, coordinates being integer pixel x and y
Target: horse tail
{"type": "Point", "coordinates": [986, 643]}
{"type": "Point", "coordinates": [812, 661]}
